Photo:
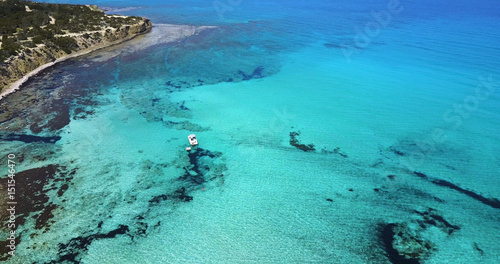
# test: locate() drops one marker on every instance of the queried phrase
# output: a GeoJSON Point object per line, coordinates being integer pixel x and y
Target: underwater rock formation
{"type": "Point", "coordinates": [184, 125]}
{"type": "Point", "coordinates": [29, 138]}
{"type": "Point", "coordinates": [431, 218]}
{"type": "Point", "coordinates": [257, 73]}
{"type": "Point", "coordinates": [294, 142]}
{"type": "Point", "coordinates": [35, 185]}
{"type": "Point", "coordinates": [492, 202]}
{"type": "Point", "coordinates": [412, 242]}
{"type": "Point", "coordinates": [401, 246]}
{"type": "Point", "coordinates": [334, 151]}
{"type": "Point", "coordinates": [71, 251]}
{"type": "Point", "coordinates": [201, 167]}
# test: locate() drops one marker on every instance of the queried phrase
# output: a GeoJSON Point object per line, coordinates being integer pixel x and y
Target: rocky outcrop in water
{"type": "Point", "coordinates": [414, 241]}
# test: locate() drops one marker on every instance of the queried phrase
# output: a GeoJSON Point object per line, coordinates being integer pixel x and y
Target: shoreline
{"type": "Point", "coordinates": [166, 33]}
{"type": "Point", "coordinates": [13, 87]}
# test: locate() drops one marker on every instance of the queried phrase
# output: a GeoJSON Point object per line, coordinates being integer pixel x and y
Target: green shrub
{"type": "Point", "coordinates": [17, 25]}
{"type": "Point", "coordinates": [9, 45]}
{"type": "Point", "coordinates": [67, 44]}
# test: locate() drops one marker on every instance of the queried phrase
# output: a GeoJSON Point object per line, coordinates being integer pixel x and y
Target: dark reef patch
{"type": "Point", "coordinates": [81, 113]}
{"type": "Point", "coordinates": [389, 237]}
{"type": "Point", "coordinates": [419, 193]}
{"type": "Point", "coordinates": [177, 85]}
{"type": "Point", "coordinates": [29, 138]}
{"type": "Point", "coordinates": [157, 199]}
{"type": "Point", "coordinates": [257, 73]}
{"type": "Point", "coordinates": [334, 151]}
{"type": "Point", "coordinates": [154, 101]}
{"type": "Point", "coordinates": [200, 167]}
{"type": "Point", "coordinates": [62, 190]}
{"type": "Point", "coordinates": [294, 142]}
{"type": "Point", "coordinates": [182, 106]}
{"type": "Point", "coordinates": [397, 152]}
{"type": "Point", "coordinates": [476, 247]}
{"type": "Point", "coordinates": [51, 96]}
{"type": "Point", "coordinates": [197, 171]}
{"type": "Point", "coordinates": [407, 147]}
{"type": "Point", "coordinates": [411, 242]}
{"type": "Point", "coordinates": [181, 194]}
{"type": "Point", "coordinates": [183, 125]}
{"type": "Point", "coordinates": [71, 251]}
{"type": "Point", "coordinates": [431, 218]}
{"type": "Point", "coordinates": [140, 230]}
{"type": "Point", "coordinates": [420, 175]}
{"type": "Point", "coordinates": [173, 85]}
{"type": "Point", "coordinates": [60, 116]}
{"type": "Point", "coordinates": [493, 202]}
{"type": "Point", "coordinates": [32, 187]}
{"type": "Point", "coordinates": [42, 219]}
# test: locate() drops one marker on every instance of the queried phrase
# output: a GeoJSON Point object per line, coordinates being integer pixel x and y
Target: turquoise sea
{"type": "Point", "coordinates": [329, 132]}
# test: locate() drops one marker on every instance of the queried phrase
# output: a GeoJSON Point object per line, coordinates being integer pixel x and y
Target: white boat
{"type": "Point", "coordinates": [192, 140]}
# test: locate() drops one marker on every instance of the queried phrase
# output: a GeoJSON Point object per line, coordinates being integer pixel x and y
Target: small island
{"type": "Point", "coordinates": [36, 35]}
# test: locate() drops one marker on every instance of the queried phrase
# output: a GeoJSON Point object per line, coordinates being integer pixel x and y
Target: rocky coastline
{"type": "Point", "coordinates": [29, 61]}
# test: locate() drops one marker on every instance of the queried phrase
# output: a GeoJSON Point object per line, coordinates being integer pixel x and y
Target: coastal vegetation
{"type": "Point", "coordinates": [25, 24]}
{"type": "Point", "coordinates": [34, 34]}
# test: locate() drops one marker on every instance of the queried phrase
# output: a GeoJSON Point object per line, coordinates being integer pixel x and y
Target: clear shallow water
{"type": "Point", "coordinates": [248, 196]}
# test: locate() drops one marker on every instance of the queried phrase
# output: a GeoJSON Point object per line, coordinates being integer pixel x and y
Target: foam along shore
{"type": "Point", "coordinates": [160, 34]}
